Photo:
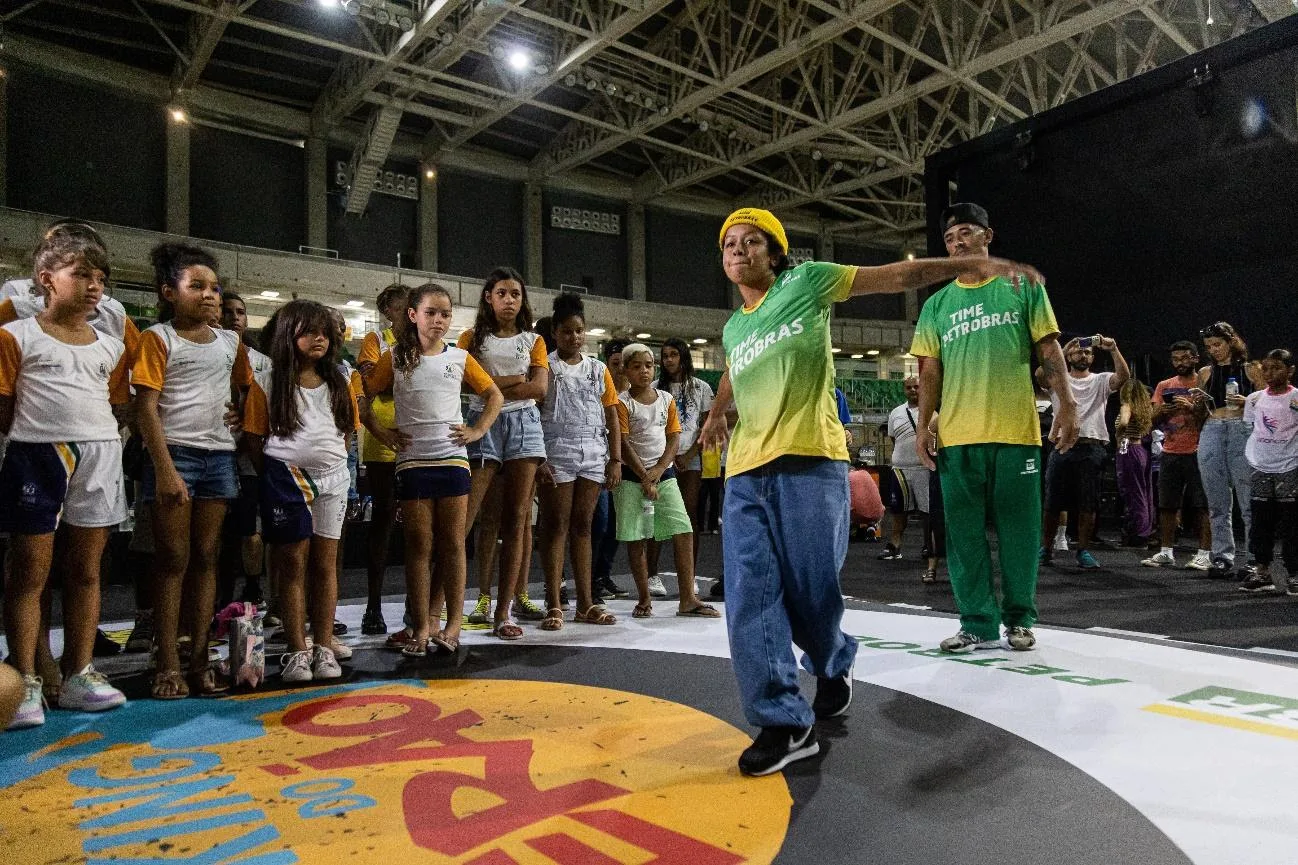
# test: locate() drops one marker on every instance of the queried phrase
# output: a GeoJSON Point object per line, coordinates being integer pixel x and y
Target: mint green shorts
{"type": "Point", "coordinates": [669, 517]}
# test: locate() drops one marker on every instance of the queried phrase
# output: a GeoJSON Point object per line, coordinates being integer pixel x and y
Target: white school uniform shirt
{"type": "Point", "coordinates": [62, 393]}
{"type": "Point", "coordinates": [317, 445]}
{"type": "Point", "coordinates": [501, 356]}
{"type": "Point", "coordinates": [1272, 446]}
{"type": "Point", "coordinates": [646, 427]}
{"type": "Point", "coordinates": [428, 402]}
{"type": "Point", "coordinates": [194, 382]}
{"type": "Point", "coordinates": [575, 401]}
{"type": "Point", "coordinates": [261, 367]}
{"type": "Point", "coordinates": [902, 429]}
{"type": "Point", "coordinates": [1092, 395]}
{"type": "Point", "coordinates": [693, 398]}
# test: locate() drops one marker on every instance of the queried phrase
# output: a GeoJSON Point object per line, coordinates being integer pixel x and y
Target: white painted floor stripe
{"type": "Point", "coordinates": [1121, 633]}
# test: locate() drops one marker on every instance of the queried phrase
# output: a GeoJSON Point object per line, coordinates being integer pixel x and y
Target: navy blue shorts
{"type": "Point", "coordinates": [42, 483]}
{"type": "Point", "coordinates": [431, 482]}
{"type": "Point", "coordinates": [298, 503]}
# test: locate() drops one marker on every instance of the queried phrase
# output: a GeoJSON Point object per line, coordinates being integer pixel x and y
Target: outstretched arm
{"type": "Point", "coordinates": [907, 275]}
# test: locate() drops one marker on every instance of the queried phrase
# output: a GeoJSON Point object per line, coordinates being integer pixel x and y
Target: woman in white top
{"type": "Point", "coordinates": [693, 398]}
{"type": "Point", "coordinates": [188, 380]}
{"type": "Point", "coordinates": [58, 378]}
{"type": "Point", "coordinates": [583, 445]}
{"type": "Point", "coordinates": [515, 358]}
{"type": "Point", "coordinates": [1272, 453]}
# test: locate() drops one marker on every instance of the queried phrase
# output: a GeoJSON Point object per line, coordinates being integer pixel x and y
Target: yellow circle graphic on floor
{"type": "Point", "coordinates": [480, 772]}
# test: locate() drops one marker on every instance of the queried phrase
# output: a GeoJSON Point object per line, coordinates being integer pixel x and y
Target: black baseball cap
{"type": "Point", "coordinates": [964, 212]}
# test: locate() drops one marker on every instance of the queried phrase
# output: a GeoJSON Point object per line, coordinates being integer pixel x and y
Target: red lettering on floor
{"type": "Point", "coordinates": [671, 848]}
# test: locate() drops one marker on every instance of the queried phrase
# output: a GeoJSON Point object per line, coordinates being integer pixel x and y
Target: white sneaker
{"type": "Point", "coordinates": [296, 666]}
{"type": "Point", "coordinates": [324, 665]}
{"type": "Point", "coordinates": [964, 642]}
{"type": "Point", "coordinates": [1160, 560]}
{"type": "Point", "coordinates": [341, 650]}
{"type": "Point", "coordinates": [656, 587]}
{"type": "Point", "coordinates": [1202, 561]}
{"type": "Point", "coordinates": [31, 711]}
{"type": "Point", "coordinates": [1061, 543]}
{"type": "Point", "coordinates": [89, 691]}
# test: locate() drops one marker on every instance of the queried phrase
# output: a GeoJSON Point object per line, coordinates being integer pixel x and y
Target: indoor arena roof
{"type": "Point", "coordinates": [824, 106]}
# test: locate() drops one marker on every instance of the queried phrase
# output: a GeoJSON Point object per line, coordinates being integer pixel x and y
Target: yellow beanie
{"type": "Point", "coordinates": [763, 219]}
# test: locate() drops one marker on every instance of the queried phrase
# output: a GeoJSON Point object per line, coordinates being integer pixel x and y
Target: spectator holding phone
{"type": "Point", "coordinates": [1073, 476]}
{"type": "Point", "coordinates": [1180, 408]}
{"type": "Point", "coordinates": [1227, 381]}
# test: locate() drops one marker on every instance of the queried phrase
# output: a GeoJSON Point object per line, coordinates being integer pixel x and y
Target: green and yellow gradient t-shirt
{"type": "Point", "coordinates": [983, 334]}
{"type": "Point", "coordinates": [782, 371]}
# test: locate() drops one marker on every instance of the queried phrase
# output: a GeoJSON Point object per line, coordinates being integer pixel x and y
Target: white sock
{"type": "Point", "coordinates": [1061, 533]}
{"type": "Point", "coordinates": [1204, 553]}
{"type": "Point", "coordinates": [1167, 551]}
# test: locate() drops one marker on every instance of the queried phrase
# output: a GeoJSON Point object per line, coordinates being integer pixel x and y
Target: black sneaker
{"type": "Point", "coordinates": [890, 553]}
{"type": "Point", "coordinates": [1220, 570]}
{"type": "Point", "coordinates": [105, 646]}
{"type": "Point", "coordinates": [718, 590]}
{"type": "Point", "coordinates": [1258, 584]}
{"type": "Point", "coordinates": [141, 638]}
{"type": "Point", "coordinates": [372, 623]}
{"type": "Point", "coordinates": [776, 747]}
{"type": "Point", "coordinates": [339, 628]}
{"type": "Point", "coordinates": [609, 589]}
{"type": "Point", "coordinates": [833, 696]}
{"type": "Point", "coordinates": [252, 591]}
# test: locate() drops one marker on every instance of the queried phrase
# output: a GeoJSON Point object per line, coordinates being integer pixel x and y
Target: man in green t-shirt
{"type": "Point", "coordinates": [974, 342]}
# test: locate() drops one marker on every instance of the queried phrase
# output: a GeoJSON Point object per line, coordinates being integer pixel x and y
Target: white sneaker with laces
{"type": "Point", "coordinates": [324, 665]}
{"type": "Point", "coordinates": [656, 587]}
{"type": "Point", "coordinates": [31, 711]}
{"type": "Point", "coordinates": [341, 650]}
{"type": "Point", "coordinates": [89, 691]}
{"type": "Point", "coordinates": [1202, 561]}
{"type": "Point", "coordinates": [296, 666]}
{"type": "Point", "coordinates": [1160, 560]}
{"type": "Point", "coordinates": [964, 642]}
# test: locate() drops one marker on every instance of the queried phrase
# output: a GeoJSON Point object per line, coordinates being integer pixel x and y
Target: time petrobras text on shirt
{"type": "Point", "coordinates": [756, 343]}
{"type": "Point", "coordinates": [973, 318]}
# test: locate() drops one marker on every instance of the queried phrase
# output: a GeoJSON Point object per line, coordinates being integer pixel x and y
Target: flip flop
{"type": "Point", "coordinates": [643, 611]}
{"type": "Point", "coordinates": [702, 611]}
{"type": "Point", "coordinates": [398, 639]}
{"type": "Point", "coordinates": [172, 679]}
{"type": "Point", "coordinates": [445, 643]}
{"type": "Point", "coordinates": [415, 648]}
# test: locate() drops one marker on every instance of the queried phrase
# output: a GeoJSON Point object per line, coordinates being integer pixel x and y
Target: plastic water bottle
{"type": "Point", "coordinates": [1122, 445]}
{"type": "Point", "coordinates": [647, 519]}
{"type": "Point", "coordinates": [1232, 387]}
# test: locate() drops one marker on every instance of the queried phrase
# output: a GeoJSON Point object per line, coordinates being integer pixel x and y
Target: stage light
{"type": "Point", "coordinates": [643, 335]}
{"type": "Point", "coordinates": [355, 303]}
{"type": "Point", "coordinates": [270, 294]}
{"type": "Point", "coordinates": [430, 174]}
{"type": "Point", "coordinates": [857, 356]}
{"type": "Point", "coordinates": [520, 60]}
{"type": "Point", "coordinates": [179, 115]}
{"type": "Point", "coordinates": [835, 349]}
{"type": "Point", "coordinates": [570, 79]}
{"type": "Point", "coordinates": [329, 4]}
{"type": "Point", "coordinates": [352, 7]}
{"type": "Point", "coordinates": [700, 341]}
{"type": "Point", "coordinates": [597, 331]}
{"type": "Point", "coordinates": [873, 352]}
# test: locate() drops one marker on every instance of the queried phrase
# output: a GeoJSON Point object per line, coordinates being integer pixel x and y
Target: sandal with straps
{"type": "Point", "coordinates": [643, 611]}
{"type": "Point", "coordinates": [415, 647]}
{"type": "Point", "coordinates": [507, 630]}
{"type": "Point", "coordinates": [595, 614]}
{"type": "Point", "coordinates": [553, 620]}
{"type": "Point", "coordinates": [206, 683]}
{"type": "Point", "coordinates": [171, 682]}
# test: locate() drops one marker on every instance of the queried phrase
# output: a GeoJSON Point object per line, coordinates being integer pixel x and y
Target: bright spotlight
{"type": "Point", "coordinates": [520, 61]}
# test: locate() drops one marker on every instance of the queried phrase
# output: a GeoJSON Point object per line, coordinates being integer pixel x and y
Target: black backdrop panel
{"type": "Point", "coordinates": [246, 190]}
{"type": "Point", "coordinates": [683, 259]}
{"type": "Point", "coordinates": [889, 307]}
{"type": "Point", "coordinates": [87, 153]}
{"type": "Point", "coordinates": [479, 224]}
{"type": "Point", "coordinates": [1162, 211]}
{"type": "Point", "coordinates": [597, 262]}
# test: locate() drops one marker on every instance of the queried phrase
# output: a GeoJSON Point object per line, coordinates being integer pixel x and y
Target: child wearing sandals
{"type": "Point", "coordinates": [425, 376]}
{"type": "Point", "coordinates": [583, 444]}
{"type": "Point", "coordinates": [58, 380]}
{"type": "Point", "coordinates": [515, 357]}
{"type": "Point", "coordinates": [648, 500]}
{"type": "Point", "coordinates": [187, 377]}
{"type": "Point", "coordinates": [298, 432]}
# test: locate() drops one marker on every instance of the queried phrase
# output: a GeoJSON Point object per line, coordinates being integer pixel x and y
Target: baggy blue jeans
{"type": "Point", "coordinates": [1224, 470]}
{"type": "Point", "coordinates": [784, 545]}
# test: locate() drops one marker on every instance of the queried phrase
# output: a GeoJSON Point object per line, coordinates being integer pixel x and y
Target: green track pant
{"type": "Point", "coordinates": [1000, 484]}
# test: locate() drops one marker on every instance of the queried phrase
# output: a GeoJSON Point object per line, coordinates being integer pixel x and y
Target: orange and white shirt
{"type": "Point", "coordinates": [194, 381]}
{"type": "Point", "coordinates": [428, 403]}
{"type": "Point", "coordinates": [645, 427]}
{"type": "Point", "coordinates": [18, 300]}
{"type": "Point", "coordinates": [502, 356]}
{"type": "Point", "coordinates": [61, 392]}
{"type": "Point", "coordinates": [317, 445]}
{"type": "Point", "coordinates": [577, 397]}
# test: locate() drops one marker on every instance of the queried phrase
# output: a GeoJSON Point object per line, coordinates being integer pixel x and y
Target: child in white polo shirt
{"type": "Point", "coordinates": [648, 500]}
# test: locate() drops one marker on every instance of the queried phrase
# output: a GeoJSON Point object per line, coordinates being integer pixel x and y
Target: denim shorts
{"type": "Point", "coordinates": [207, 474]}
{"type": "Point", "coordinates": [516, 435]}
